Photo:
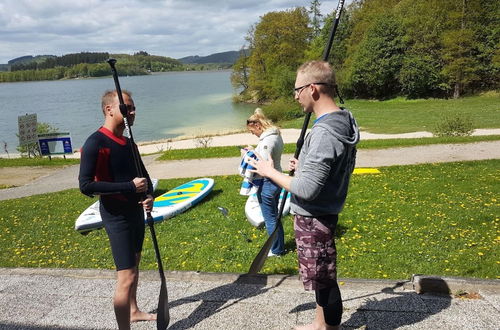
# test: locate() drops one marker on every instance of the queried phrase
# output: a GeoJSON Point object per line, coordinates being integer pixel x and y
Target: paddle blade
{"type": "Point", "coordinates": [259, 260]}
{"type": "Point", "coordinates": [163, 316]}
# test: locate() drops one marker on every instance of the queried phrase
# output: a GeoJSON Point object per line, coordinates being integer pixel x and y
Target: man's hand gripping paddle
{"type": "Point", "coordinates": [260, 258]}
{"type": "Point", "coordinates": [163, 316]}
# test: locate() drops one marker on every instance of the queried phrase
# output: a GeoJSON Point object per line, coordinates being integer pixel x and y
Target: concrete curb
{"type": "Point", "coordinates": [419, 283]}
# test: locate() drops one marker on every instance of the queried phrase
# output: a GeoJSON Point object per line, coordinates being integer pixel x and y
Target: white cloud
{"type": "Point", "coordinates": [172, 28]}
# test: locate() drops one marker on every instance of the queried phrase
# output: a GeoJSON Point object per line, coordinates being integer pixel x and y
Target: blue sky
{"type": "Point", "coordinates": [172, 28]}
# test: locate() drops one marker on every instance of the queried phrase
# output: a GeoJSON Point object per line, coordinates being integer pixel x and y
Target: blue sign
{"type": "Point", "coordinates": [55, 144]}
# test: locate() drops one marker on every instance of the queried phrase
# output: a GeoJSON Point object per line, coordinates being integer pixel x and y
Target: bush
{"type": "Point", "coordinates": [33, 149]}
{"type": "Point", "coordinates": [283, 109]}
{"type": "Point", "coordinates": [455, 126]}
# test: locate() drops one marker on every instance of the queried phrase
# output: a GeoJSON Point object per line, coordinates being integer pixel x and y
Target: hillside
{"type": "Point", "coordinates": [224, 57]}
{"type": "Point", "coordinates": [29, 58]}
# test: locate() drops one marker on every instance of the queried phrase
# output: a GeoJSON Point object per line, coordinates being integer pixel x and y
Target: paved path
{"type": "Point", "coordinates": [82, 299]}
{"type": "Point", "coordinates": [67, 177]}
{"type": "Point", "coordinates": [365, 158]}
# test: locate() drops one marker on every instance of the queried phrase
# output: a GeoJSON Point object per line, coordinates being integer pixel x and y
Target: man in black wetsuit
{"type": "Point", "coordinates": [107, 169]}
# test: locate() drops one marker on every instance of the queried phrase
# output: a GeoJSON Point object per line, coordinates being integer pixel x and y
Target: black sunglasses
{"type": "Point", "coordinates": [251, 122]}
{"type": "Point", "coordinates": [298, 89]}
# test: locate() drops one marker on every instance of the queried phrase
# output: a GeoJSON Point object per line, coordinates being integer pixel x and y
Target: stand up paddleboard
{"type": "Point", "coordinates": [181, 198]}
{"type": "Point", "coordinates": [254, 213]}
{"type": "Point", "coordinates": [165, 206]}
{"type": "Point", "coordinates": [90, 219]}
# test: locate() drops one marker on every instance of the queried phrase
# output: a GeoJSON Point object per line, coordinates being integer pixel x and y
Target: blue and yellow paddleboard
{"type": "Point", "coordinates": [181, 198]}
{"type": "Point", "coordinates": [165, 206]}
{"type": "Point", "coordinates": [90, 219]}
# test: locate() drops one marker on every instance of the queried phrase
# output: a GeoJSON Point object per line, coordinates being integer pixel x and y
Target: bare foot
{"type": "Point", "coordinates": [305, 327]}
{"type": "Point", "coordinates": [142, 316]}
{"type": "Point", "coordinates": [314, 326]}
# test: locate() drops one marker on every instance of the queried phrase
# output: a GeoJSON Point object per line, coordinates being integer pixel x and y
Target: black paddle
{"type": "Point", "coordinates": [163, 314]}
{"type": "Point", "coordinates": [260, 258]}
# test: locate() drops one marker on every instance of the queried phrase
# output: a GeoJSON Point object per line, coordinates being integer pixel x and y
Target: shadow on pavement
{"type": "Point", "coordinates": [17, 326]}
{"type": "Point", "coordinates": [213, 300]}
{"type": "Point", "coordinates": [406, 308]}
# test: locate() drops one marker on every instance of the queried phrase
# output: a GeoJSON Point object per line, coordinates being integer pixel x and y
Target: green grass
{"type": "Point", "coordinates": [219, 152]}
{"type": "Point", "coordinates": [412, 142]}
{"type": "Point", "coordinates": [400, 115]}
{"type": "Point", "coordinates": [23, 161]}
{"type": "Point", "coordinates": [232, 151]}
{"type": "Point", "coordinates": [440, 219]}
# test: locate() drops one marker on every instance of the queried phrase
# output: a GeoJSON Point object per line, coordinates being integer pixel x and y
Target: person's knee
{"type": "Point", "coordinates": [267, 197]}
{"type": "Point", "coordinates": [126, 277]}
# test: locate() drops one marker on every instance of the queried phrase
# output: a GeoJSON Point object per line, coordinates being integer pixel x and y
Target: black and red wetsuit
{"type": "Point", "coordinates": [107, 169]}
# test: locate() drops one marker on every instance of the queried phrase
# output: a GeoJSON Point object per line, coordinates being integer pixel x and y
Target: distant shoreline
{"type": "Point", "coordinates": [110, 76]}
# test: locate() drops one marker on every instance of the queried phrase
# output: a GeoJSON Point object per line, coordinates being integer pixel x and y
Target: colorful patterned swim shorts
{"type": "Point", "coordinates": [316, 250]}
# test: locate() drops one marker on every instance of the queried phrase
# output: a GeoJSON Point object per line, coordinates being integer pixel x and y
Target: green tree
{"type": "Point", "coordinates": [316, 20]}
{"type": "Point", "coordinates": [378, 60]}
{"type": "Point", "coordinates": [276, 43]}
{"type": "Point", "coordinates": [487, 35]}
{"type": "Point", "coordinates": [240, 73]}
{"type": "Point", "coordinates": [458, 48]}
{"type": "Point", "coordinates": [422, 21]}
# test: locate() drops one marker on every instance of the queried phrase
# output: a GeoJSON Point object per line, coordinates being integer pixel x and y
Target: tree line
{"type": "Point", "coordinates": [65, 61]}
{"type": "Point", "coordinates": [382, 49]}
{"type": "Point", "coordinates": [83, 65]}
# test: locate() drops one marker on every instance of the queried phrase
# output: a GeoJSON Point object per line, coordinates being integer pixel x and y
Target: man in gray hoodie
{"type": "Point", "coordinates": [319, 187]}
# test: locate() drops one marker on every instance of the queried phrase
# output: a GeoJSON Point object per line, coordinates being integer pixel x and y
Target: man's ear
{"type": "Point", "coordinates": [315, 92]}
{"type": "Point", "coordinates": [108, 110]}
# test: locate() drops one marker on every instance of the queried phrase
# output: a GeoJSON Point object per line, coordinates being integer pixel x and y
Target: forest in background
{"type": "Point", "coordinates": [382, 49]}
{"type": "Point", "coordinates": [93, 64]}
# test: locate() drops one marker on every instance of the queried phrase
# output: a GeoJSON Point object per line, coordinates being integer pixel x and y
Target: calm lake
{"type": "Point", "coordinates": [168, 105]}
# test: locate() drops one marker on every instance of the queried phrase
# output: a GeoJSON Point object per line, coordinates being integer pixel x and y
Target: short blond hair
{"type": "Point", "coordinates": [319, 72]}
{"type": "Point", "coordinates": [109, 97]}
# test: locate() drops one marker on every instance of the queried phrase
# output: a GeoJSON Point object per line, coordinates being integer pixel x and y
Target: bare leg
{"type": "Point", "coordinates": [137, 315]}
{"type": "Point", "coordinates": [318, 323]}
{"type": "Point", "coordinates": [121, 300]}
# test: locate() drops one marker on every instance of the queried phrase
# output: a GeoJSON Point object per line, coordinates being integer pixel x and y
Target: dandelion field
{"type": "Point", "coordinates": [440, 219]}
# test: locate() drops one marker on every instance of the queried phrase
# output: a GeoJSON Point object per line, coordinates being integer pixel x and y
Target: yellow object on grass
{"type": "Point", "coordinates": [366, 171]}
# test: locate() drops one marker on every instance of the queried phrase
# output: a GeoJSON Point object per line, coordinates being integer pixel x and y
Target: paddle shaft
{"type": "Point", "coordinates": [163, 314]}
{"type": "Point", "coordinates": [260, 258]}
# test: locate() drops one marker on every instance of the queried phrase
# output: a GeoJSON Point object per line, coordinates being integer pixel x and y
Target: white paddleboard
{"type": "Point", "coordinates": [254, 213]}
{"type": "Point", "coordinates": [90, 219]}
{"type": "Point", "coordinates": [166, 206]}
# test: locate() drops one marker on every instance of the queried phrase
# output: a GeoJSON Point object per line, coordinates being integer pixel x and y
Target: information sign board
{"type": "Point", "coordinates": [55, 144]}
{"type": "Point", "coordinates": [27, 129]}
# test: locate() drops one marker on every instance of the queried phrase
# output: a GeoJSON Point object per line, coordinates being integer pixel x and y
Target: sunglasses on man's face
{"type": "Point", "coordinates": [298, 90]}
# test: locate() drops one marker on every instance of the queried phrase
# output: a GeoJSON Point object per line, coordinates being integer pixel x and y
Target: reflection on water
{"type": "Point", "coordinates": [168, 105]}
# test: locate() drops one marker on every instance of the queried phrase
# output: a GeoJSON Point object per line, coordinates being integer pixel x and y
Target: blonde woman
{"type": "Point", "coordinates": [270, 146]}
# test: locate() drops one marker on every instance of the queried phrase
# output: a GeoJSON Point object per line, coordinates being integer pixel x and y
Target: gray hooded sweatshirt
{"type": "Point", "coordinates": [325, 166]}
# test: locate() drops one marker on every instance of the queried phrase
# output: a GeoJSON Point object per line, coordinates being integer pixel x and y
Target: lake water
{"type": "Point", "coordinates": [168, 105]}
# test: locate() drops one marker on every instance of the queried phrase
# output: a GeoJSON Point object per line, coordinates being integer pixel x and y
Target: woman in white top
{"type": "Point", "coordinates": [270, 145]}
